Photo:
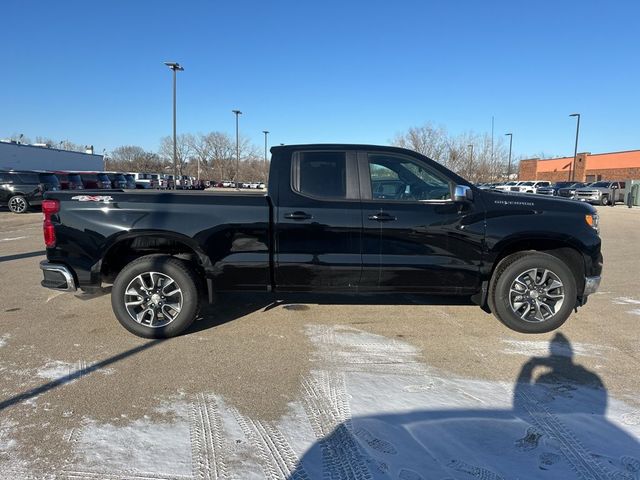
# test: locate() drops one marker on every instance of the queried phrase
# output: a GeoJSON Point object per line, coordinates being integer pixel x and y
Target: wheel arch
{"type": "Point", "coordinates": [126, 247]}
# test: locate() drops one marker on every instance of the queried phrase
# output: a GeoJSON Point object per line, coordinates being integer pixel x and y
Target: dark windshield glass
{"type": "Point", "coordinates": [49, 178]}
{"type": "Point", "coordinates": [117, 177]}
{"type": "Point", "coordinates": [74, 177]}
{"type": "Point", "coordinates": [601, 184]}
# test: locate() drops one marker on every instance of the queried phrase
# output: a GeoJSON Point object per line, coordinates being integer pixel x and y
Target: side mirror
{"type": "Point", "coordinates": [462, 193]}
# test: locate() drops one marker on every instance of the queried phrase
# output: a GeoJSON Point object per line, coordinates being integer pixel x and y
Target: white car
{"type": "Point", "coordinates": [506, 187]}
{"type": "Point", "coordinates": [529, 186]}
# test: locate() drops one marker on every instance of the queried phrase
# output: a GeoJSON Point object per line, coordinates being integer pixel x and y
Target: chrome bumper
{"type": "Point", "coordinates": [591, 285]}
{"type": "Point", "coordinates": [57, 277]}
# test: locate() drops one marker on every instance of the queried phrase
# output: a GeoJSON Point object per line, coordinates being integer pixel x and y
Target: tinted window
{"type": "Point", "coordinates": [49, 178]}
{"type": "Point", "coordinates": [5, 178]}
{"type": "Point", "coordinates": [601, 184]}
{"type": "Point", "coordinates": [323, 174]}
{"type": "Point", "coordinates": [28, 178]}
{"type": "Point", "coordinates": [75, 178]}
{"type": "Point", "coordinates": [89, 177]}
{"type": "Point", "coordinates": [103, 177]}
{"type": "Point", "coordinates": [401, 178]}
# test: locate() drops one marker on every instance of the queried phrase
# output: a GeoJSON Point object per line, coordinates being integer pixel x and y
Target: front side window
{"type": "Point", "coordinates": [401, 178]}
{"type": "Point", "coordinates": [49, 179]}
{"type": "Point", "coordinates": [28, 178]}
{"type": "Point", "coordinates": [321, 174]}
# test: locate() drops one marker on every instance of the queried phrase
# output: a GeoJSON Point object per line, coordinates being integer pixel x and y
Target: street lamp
{"type": "Point", "coordinates": [175, 67]}
{"type": "Point", "coordinates": [510, 135]}
{"type": "Point", "coordinates": [266, 132]}
{"type": "Point", "coordinates": [237, 113]}
{"type": "Point", "coordinates": [572, 174]}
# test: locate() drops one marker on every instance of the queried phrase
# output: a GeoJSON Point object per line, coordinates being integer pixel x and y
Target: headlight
{"type": "Point", "coordinates": [592, 220]}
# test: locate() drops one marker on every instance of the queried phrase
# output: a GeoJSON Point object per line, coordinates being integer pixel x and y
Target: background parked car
{"type": "Point", "coordinates": [118, 180]}
{"type": "Point", "coordinates": [570, 191]}
{"type": "Point", "coordinates": [95, 180]}
{"type": "Point", "coordinates": [506, 187]}
{"type": "Point", "coordinates": [145, 180]}
{"type": "Point", "coordinates": [529, 186]}
{"type": "Point", "coordinates": [69, 181]}
{"type": "Point", "coordinates": [20, 190]}
{"type": "Point", "coordinates": [131, 180]}
{"type": "Point", "coordinates": [603, 192]}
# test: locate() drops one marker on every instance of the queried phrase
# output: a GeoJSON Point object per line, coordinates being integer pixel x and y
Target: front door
{"type": "Point", "coordinates": [318, 224]}
{"type": "Point", "coordinates": [415, 237]}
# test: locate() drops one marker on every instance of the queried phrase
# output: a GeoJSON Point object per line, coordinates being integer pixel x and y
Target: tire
{"type": "Point", "coordinates": [172, 313]}
{"type": "Point", "coordinates": [604, 200]}
{"type": "Point", "coordinates": [509, 293]}
{"type": "Point", "coordinates": [18, 204]}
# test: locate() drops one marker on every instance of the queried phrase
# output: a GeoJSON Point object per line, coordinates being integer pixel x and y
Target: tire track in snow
{"type": "Point", "coordinates": [206, 439]}
{"type": "Point", "coordinates": [277, 458]}
{"type": "Point", "coordinates": [126, 475]}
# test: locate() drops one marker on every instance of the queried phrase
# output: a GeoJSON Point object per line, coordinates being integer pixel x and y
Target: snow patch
{"type": "Point", "coordinates": [3, 339]}
{"type": "Point", "coordinates": [57, 369]}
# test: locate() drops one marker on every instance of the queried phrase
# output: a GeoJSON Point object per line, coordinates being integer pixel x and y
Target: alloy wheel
{"type": "Point", "coordinates": [153, 299]}
{"type": "Point", "coordinates": [536, 295]}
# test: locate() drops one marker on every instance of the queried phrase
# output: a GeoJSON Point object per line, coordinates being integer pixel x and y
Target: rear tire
{"type": "Point", "coordinates": [164, 310]}
{"type": "Point", "coordinates": [18, 204]}
{"type": "Point", "coordinates": [532, 292]}
{"type": "Point", "coordinates": [604, 200]}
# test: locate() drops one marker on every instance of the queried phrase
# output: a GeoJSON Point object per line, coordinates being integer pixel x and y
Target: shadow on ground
{"type": "Point", "coordinates": [557, 429]}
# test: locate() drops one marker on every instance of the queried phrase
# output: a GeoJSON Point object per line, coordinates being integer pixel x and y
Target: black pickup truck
{"type": "Point", "coordinates": [337, 218]}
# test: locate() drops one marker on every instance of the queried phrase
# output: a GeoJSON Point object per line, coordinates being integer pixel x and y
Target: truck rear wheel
{"type": "Point", "coordinates": [532, 292]}
{"type": "Point", "coordinates": [156, 296]}
{"type": "Point", "coordinates": [18, 204]}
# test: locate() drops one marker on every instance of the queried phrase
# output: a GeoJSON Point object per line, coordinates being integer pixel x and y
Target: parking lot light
{"type": "Point", "coordinates": [175, 67]}
{"type": "Point", "coordinates": [237, 113]}
{"type": "Point", "coordinates": [510, 135]}
{"type": "Point", "coordinates": [572, 169]}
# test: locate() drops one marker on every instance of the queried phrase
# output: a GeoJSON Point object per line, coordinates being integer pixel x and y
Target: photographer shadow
{"type": "Point", "coordinates": [557, 428]}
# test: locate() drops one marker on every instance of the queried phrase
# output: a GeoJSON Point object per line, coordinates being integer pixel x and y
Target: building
{"type": "Point", "coordinates": [588, 168]}
{"type": "Point", "coordinates": [19, 156]}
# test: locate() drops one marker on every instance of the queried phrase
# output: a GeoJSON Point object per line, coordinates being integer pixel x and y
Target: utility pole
{"type": "Point", "coordinates": [266, 132]}
{"type": "Point", "coordinates": [510, 135]}
{"type": "Point", "coordinates": [470, 160]}
{"type": "Point", "coordinates": [237, 113]}
{"type": "Point", "coordinates": [572, 171]}
{"type": "Point", "coordinates": [175, 67]}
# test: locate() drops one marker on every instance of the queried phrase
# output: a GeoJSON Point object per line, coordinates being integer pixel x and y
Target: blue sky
{"type": "Point", "coordinates": [323, 71]}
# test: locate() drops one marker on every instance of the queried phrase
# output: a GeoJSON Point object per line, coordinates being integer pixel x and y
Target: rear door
{"type": "Point", "coordinates": [318, 223]}
{"type": "Point", "coordinates": [415, 238]}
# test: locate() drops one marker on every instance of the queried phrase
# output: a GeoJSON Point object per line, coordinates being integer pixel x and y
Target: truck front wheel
{"type": "Point", "coordinates": [156, 296]}
{"type": "Point", "coordinates": [532, 292]}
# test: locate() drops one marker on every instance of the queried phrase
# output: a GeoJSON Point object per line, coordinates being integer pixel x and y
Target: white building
{"type": "Point", "coordinates": [19, 156]}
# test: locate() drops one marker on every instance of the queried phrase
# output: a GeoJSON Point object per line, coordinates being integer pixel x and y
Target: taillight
{"type": "Point", "coordinates": [49, 208]}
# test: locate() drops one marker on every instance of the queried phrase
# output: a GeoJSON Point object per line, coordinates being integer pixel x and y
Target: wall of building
{"type": "Point", "coordinates": [588, 167]}
{"type": "Point", "coordinates": [28, 157]}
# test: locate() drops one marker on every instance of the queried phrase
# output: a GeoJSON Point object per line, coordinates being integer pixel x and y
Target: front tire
{"type": "Point", "coordinates": [18, 204]}
{"type": "Point", "coordinates": [156, 296]}
{"type": "Point", "coordinates": [604, 201]}
{"type": "Point", "coordinates": [532, 292]}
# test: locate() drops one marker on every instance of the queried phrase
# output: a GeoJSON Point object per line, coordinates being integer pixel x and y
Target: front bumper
{"type": "Point", "coordinates": [57, 277]}
{"type": "Point", "coordinates": [591, 285]}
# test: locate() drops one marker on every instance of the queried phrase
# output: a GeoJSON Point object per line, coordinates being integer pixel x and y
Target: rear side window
{"type": "Point", "coordinates": [28, 178]}
{"type": "Point", "coordinates": [89, 177]}
{"type": "Point", "coordinates": [49, 179]}
{"type": "Point", "coordinates": [321, 174]}
{"type": "Point", "coordinates": [103, 177]}
{"type": "Point", "coordinates": [74, 177]}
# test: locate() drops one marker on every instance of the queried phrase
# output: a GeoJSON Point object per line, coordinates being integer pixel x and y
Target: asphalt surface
{"type": "Point", "coordinates": [67, 366]}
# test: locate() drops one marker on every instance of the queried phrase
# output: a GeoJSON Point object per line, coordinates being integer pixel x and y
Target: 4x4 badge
{"type": "Point", "coordinates": [93, 198]}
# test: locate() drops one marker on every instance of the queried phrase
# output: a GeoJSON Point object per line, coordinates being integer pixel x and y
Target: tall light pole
{"type": "Point", "coordinates": [266, 132]}
{"type": "Point", "coordinates": [470, 159]}
{"type": "Point", "coordinates": [510, 135]}
{"type": "Point", "coordinates": [237, 113]}
{"type": "Point", "coordinates": [175, 67]}
{"type": "Point", "coordinates": [572, 175]}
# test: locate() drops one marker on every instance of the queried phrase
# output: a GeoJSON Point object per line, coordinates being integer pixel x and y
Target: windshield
{"type": "Point", "coordinates": [117, 177]}
{"type": "Point", "coordinates": [601, 184]}
{"type": "Point", "coordinates": [103, 177]}
{"type": "Point", "coordinates": [511, 183]}
{"type": "Point", "coordinates": [526, 183]}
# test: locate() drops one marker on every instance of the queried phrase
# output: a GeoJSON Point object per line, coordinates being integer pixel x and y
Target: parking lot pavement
{"type": "Point", "coordinates": [318, 387]}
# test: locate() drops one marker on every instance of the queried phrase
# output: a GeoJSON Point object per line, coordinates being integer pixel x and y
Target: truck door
{"type": "Point", "coordinates": [415, 238]}
{"type": "Point", "coordinates": [318, 223]}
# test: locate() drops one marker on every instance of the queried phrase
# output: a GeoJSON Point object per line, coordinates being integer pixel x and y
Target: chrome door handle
{"type": "Point", "coordinates": [382, 217]}
{"type": "Point", "coordinates": [297, 216]}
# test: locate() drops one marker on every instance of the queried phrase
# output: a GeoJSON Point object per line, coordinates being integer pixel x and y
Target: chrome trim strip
{"type": "Point", "coordinates": [591, 285]}
{"type": "Point", "coordinates": [66, 273]}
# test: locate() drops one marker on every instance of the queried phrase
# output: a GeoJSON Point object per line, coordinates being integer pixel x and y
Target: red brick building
{"type": "Point", "coordinates": [588, 168]}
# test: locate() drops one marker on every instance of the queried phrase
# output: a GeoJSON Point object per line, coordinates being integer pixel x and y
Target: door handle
{"type": "Point", "coordinates": [382, 217]}
{"type": "Point", "coordinates": [297, 216]}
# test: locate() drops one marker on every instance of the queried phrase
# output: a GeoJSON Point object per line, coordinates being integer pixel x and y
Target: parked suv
{"type": "Point", "coordinates": [118, 180]}
{"type": "Point", "coordinates": [131, 180]}
{"type": "Point", "coordinates": [146, 180]}
{"type": "Point", "coordinates": [570, 191]}
{"type": "Point", "coordinates": [20, 190]}
{"type": "Point", "coordinates": [70, 181]}
{"type": "Point", "coordinates": [603, 192]}
{"type": "Point", "coordinates": [95, 180]}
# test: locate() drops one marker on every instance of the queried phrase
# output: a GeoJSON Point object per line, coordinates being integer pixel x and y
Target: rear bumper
{"type": "Point", "coordinates": [57, 277]}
